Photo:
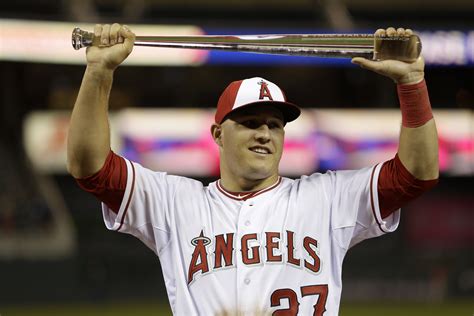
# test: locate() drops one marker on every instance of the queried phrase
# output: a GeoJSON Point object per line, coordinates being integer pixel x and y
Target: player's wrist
{"type": "Point", "coordinates": [414, 104]}
{"type": "Point", "coordinates": [411, 78]}
{"type": "Point", "coordinates": [99, 71]}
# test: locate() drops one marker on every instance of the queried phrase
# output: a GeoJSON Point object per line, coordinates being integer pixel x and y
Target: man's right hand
{"type": "Point", "coordinates": [116, 43]}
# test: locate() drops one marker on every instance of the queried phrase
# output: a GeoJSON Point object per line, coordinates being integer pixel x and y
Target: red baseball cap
{"type": "Point", "coordinates": [252, 92]}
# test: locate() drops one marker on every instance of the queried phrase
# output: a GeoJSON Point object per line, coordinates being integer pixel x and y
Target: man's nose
{"type": "Point", "coordinates": [263, 133]}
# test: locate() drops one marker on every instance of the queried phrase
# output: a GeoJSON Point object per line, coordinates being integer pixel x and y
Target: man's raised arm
{"type": "Point", "coordinates": [88, 141]}
{"type": "Point", "coordinates": [418, 146]}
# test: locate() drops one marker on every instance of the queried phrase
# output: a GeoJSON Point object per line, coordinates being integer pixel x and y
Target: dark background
{"type": "Point", "coordinates": [429, 257]}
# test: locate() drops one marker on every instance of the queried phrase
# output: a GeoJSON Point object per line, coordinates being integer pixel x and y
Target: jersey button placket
{"type": "Point", "coordinates": [244, 227]}
{"type": "Point", "coordinates": [250, 204]}
{"type": "Point", "coordinates": [245, 218]}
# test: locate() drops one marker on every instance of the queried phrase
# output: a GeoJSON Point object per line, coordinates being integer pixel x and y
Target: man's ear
{"type": "Point", "coordinates": [216, 132]}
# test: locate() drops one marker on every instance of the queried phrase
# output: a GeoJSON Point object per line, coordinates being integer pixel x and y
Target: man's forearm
{"type": "Point", "coordinates": [418, 146]}
{"type": "Point", "coordinates": [89, 135]}
{"type": "Point", "coordinates": [418, 150]}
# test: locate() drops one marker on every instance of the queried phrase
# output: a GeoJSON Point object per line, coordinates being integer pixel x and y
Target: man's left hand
{"type": "Point", "coordinates": [399, 71]}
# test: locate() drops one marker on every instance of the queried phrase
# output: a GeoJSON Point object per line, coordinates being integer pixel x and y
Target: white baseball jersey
{"type": "Point", "coordinates": [279, 250]}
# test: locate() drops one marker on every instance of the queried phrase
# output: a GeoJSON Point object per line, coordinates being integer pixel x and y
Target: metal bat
{"type": "Point", "coordinates": [319, 45]}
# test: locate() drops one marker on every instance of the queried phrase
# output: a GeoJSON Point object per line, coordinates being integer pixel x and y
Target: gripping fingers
{"type": "Point", "coordinates": [105, 35]}
{"type": "Point", "coordinates": [114, 30]}
{"type": "Point", "coordinates": [120, 38]}
{"type": "Point", "coordinates": [380, 33]}
{"type": "Point", "coordinates": [391, 32]}
{"type": "Point", "coordinates": [128, 37]}
{"type": "Point", "coordinates": [109, 34]}
{"type": "Point", "coordinates": [98, 30]}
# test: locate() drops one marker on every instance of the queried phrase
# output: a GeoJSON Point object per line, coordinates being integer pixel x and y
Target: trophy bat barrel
{"type": "Point", "coordinates": [319, 45]}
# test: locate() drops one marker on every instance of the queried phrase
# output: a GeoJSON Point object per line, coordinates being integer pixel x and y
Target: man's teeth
{"type": "Point", "coordinates": [260, 150]}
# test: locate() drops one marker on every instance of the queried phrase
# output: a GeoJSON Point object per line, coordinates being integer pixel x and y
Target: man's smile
{"type": "Point", "coordinates": [260, 150]}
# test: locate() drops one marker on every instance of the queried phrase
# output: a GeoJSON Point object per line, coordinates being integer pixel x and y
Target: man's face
{"type": "Point", "coordinates": [251, 143]}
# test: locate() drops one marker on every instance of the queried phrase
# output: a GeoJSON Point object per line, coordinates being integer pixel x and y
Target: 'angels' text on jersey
{"type": "Point", "coordinates": [223, 247]}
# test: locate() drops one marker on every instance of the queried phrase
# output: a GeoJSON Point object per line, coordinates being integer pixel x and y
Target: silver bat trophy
{"type": "Point", "coordinates": [319, 45]}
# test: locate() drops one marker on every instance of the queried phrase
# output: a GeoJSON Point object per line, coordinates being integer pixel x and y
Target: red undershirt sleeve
{"type": "Point", "coordinates": [108, 184]}
{"type": "Point", "coordinates": [397, 186]}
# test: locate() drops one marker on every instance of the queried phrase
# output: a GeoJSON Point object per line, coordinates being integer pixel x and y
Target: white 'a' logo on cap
{"type": "Point", "coordinates": [264, 91]}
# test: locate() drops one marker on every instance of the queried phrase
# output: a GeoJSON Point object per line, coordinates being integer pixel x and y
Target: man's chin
{"type": "Point", "coordinates": [259, 173]}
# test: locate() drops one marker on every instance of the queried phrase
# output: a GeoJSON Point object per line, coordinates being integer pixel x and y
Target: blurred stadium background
{"type": "Point", "coordinates": [57, 258]}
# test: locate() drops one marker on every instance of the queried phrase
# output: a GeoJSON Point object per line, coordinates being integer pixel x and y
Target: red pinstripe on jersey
{"type": "Point", "coordinates": [372, 204]}
{"type": "Point", "coordinates": [129, 197]}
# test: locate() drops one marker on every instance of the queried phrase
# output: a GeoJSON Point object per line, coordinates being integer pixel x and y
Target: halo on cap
{"type": "Point", "coordinates": [252, 92]}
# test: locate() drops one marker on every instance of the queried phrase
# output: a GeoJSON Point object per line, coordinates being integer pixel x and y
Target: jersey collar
{"type": "Point", "coordinates": [243, 196]}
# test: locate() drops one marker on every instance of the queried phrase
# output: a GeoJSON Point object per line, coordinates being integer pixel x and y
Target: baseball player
{"type": "Point", "coordinates": [252, 242]}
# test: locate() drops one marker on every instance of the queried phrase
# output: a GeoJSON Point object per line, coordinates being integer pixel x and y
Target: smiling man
{"type": "Point", "coordinates": [250, 119]}
{"type": "Point", "coordinates": [251, 242]}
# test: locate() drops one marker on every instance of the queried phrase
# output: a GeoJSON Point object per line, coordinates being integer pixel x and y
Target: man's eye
{"type": "Point", "coordinates": [274, 125]}
{"type": "Point", "coordinates": [250, 123]}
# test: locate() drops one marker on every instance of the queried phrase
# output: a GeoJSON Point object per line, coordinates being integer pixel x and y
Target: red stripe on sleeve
{"type": "Point", "coordinates": [397, 186]}
{"type": "Point", "coordinates": [109, 183]}
{"type": "Point", "coordinates": [372, 200]}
